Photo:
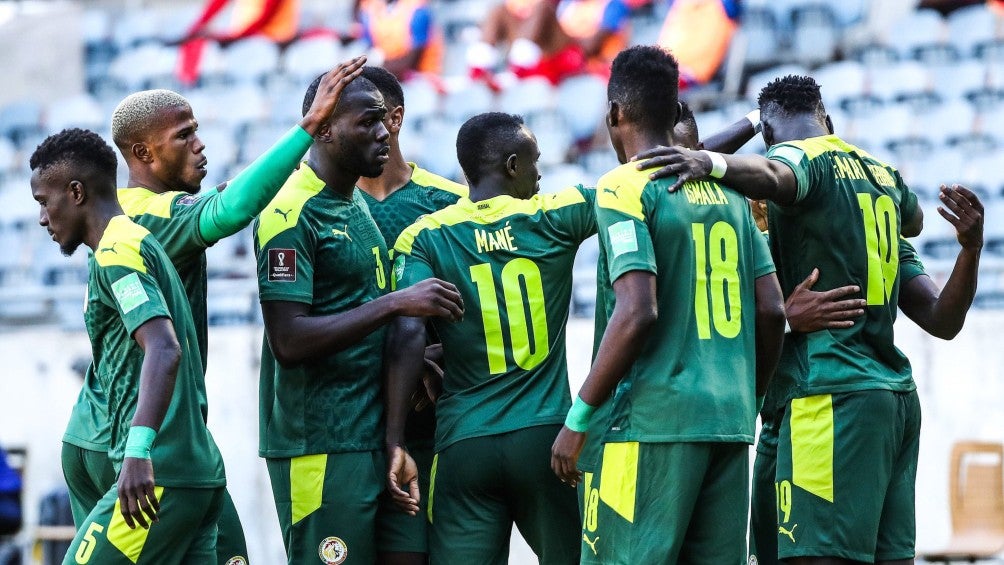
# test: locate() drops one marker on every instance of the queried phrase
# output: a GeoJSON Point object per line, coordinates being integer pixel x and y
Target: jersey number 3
{"type": "Point", "coordinates": [524, 312]}
{"type": "Point", "coordinates": [720, 248]}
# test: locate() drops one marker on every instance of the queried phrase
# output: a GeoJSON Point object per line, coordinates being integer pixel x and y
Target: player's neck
{"type": "Point", "coordinates": [139, 178]}
{"type": "Point", "coordinates": [396, 173]}
{"type": "Point", "coordinates": [97, 221]}
{"type": "Point", "coordinates": [488, 187]}
{"type": "Point", "coordinates": [338, 180]}
{"type": "Point", "coordinates": [636, 140]}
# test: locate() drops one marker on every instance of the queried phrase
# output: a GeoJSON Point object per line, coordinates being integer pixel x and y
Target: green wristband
{"type": "Point", "coordinates": [579, 415]}
{"type": "Point", "coordinates": [139, 441]}
{"type": "Point", "coordinates": [759, 403]}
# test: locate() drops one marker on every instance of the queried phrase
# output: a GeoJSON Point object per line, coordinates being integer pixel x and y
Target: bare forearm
{"type": "Point", "coordinates": [156, 384]}
{"type": "Point", "coordinates": [943, 314]}
{"type": "Point", "coordinates": [405, 352]}
{"type": "Point", "coordinates": [769, 330]}
{"type": "Point", "coordinates": [759, 178]}
{"type": "Point", "coordinates": [622, 344]}
{"type": "Point", "coordinates": [730, 139]}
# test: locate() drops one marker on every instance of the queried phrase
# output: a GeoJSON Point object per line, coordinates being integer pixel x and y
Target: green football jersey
{"type": "Point", "coordinates": [424, 194]}
{"type": "Point", "coordinates": [172, 218]}
{"type": "Point", "coordinates": [793, 363]}
{"type": "Point", "coordinates": [512, 261]}
{"type": "Point", "coordinates": [695, 377]}
{"type": "Point", "coordinates": [319, 248]}
{"type": "Point", "coordinates": [131, 281]}
{"type": "Point", "coordinates": [846, 221]}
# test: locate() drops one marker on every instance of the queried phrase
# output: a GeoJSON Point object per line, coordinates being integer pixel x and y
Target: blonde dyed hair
{"type": "Point", "coordinates": [138, 112]}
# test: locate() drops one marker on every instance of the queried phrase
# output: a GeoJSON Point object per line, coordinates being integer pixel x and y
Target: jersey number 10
{"type": "Point", "coordinates": [881, 226]}
{"type": "Point", "coordinates": [720, 248]}
{"type": "Point", "coordinates": [517, 275]}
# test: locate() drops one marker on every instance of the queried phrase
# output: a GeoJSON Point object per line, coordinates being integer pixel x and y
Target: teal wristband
{"type": "Point", "coordinates": [139, 441]}
{"type": "Point", "coordinates": [759, 403]}
{"type": "Point", "coordinates": [579, 415]}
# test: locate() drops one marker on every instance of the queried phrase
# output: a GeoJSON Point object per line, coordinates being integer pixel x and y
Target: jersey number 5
{"type": "Point", "coordinates": [518, 275]}
{"type": "Point", "coordinates": [720, 248]}
{"type": "Point", "coordinates": [881, 225]}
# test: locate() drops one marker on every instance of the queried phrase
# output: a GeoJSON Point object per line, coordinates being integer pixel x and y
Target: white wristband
{"type": "Point", "coordinates": [754, 118]}
{"type": "Point", "coordinates": [718, 165]}
{"type": "Point", "coordinates": [787, 328]}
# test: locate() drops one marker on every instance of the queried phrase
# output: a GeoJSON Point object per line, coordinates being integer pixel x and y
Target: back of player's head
{"type": "Point", "coordinates": [387, 84]}
{"type": "Point", "coordinates": [486, 141]}
{"type": "Point", "coordinates": [80, 153]}
{"type": "Point", "coordinates": [358, 83]}
{"type": "Point", "coordinates": [685, 131]}
{"type": "Point", "coordinates": [644, 82]}
{"type": "Point", "coordinates": [137, 114]}
{"type": "Point", "coordinates": [792, 95]}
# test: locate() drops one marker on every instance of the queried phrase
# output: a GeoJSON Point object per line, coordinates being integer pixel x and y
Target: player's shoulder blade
{"type": "Point", "coordinates": [283, 212]}
{"type": "Point", "coordinates": [141, 201]}
{"type": "Point", "coordinates": [449, 216]}
{"type": "Point", "coordinates": [120, 245]}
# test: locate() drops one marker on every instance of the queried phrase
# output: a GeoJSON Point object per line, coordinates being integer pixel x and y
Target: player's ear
{"type": "Point", "coordinates": [77, 193]}
{"type": "Point", "coordinates": [768, 132]}
{"type": "Point", "coordinates": [324, 133]}
{"type": "Point", "coordinates": [396, 116]}
{"type": "Point", "coordinates": [829, 124]}
{"type": "Point", "coordinates": [679, 112]}
{"type": "Point", "coordinates": [510, 165]}
{"type": "Point", "coordinates": [613, 111]}
{"type": "Point", "coordinates": [141, 152]}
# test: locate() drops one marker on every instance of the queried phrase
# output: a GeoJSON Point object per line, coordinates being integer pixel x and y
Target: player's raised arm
{"type": "Point", "coordinates": [248, 193]}
{"type": "Point", "coordinates": [161, 357]}
{"type": "Point", "coordinates": [295, 336]}
{"type": "Point", "coordinates": [735, 135]}
{"type": "Point", "coordinates": [943, 313]}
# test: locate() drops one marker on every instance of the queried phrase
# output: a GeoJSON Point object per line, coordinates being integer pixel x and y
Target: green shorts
{"type": "Point", "coordinates": [763, 501]}
{"type": "Point", "coordinates": [327, 505]}
{"type": "Point", "coordinates": [846, 474]}
{"type": "Point", "coordinates": [184, 534]}
{"type": "Point", "coordinates": [231, 547]}
{"type": "Point", "coordinates": [89, 474]}
{"type": "Point", "coordinates": [398, 532]}
{"type": "Point", "coordinates": [667, 503]}
{"type": "Point", "coordinates": [481, 485]}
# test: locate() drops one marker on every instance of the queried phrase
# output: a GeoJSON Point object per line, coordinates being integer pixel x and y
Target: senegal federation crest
{"type": "Point", "coordinates": [752, 560]}
{"type": "Point", "coordinates": [237, 560]}
{"type": "Point", "coordinates": [333, 551]}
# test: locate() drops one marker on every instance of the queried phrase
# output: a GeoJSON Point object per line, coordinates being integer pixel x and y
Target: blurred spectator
{"type": "Point", "coordinates": [698, 33]}
{"type": "Point", "coordinates": [946, 6]}
{"type": "Point", "coordinates": [10, 497]}
{"type": "Point", "coordinates": [404, 36]}
{"type": "Point", "coordinates": [601, 27]}
{"type": "Point", "coordinates": [538, 46]}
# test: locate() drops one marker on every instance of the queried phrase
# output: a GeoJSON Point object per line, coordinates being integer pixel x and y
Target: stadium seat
{"type": "Point", "coordinates": [840, 83]}
{"type": "Point", "coordinates": [241, 105]}
{"type": "Point", "coordinates": [582, 102]}
{"type": "Point", "coordinates": [134, 27]}
{"type": "Point", "coordinates": [80, 111]}
{"type": "Point", "coordinates": [250, 59]}
{"type": "Point", "coordinates": [560, 177]}
{"type": "Point", "coordinates": [815, 34]}
{"type": "Point", "coordinates": [904, 81]}
{"type": "Point", "coordinates": [759, 80]}
{"type": "Point", "coordinates": [970, 26]}
{"type": "Point", "coordinates": [260, 137]}
{"type": "Point", "coordinates": [421, 99]}
{"type": "Point", "coordinates": [976, 500]}
{"type": "Point", "coordinates": [221, 145]}
{"type": "Point", "coordinates": [135, 69]}
{"type": "Point", "coordinates": [760, 27]}
{"type": "Point", "coordinates": [20, 118]}
{"type": "Point", "coordinates": [439, 153]}
{"type": "Point", "coordinates": [598, 162]}
{"type": "Point", "coordinates": [463, 103]}
{"type": "Point", "coordinates": [553, 136]}
{"type": "Point", "coordinates": [948, 121]}
{"type": "Point", "coordinates": [534, 94]}
{"type": "Point", "coordinates": [885, 125]}
{"type": "Point", "coordinates": [307, 58]}
{"type": "Point", "coordinates": [916, 30]}
{"type": "Point", "coordinates": [959, 80]}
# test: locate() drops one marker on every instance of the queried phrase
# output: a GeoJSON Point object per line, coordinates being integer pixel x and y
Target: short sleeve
{"type": "Point", "coordinates": [622, 227]}
{"type": "Point", "coordinates": [908, 201]}
{"type": "Point", "coordinates": [796, 159]}
{"type": "Point", "coordinates": [577, 212]}
{"type": "Point", "coordinates": [411, 264]}
{"type": "Point", "coordinates": [135, 295]}
{"type": "Point", "coordinates": [286, 265]}
{"type": "Point", "coordinates": [910, 265]}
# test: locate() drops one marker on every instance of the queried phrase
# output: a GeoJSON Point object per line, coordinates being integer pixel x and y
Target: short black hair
{"type": "Point", "coordinates": [387, 84]}
{"type": "Point", "coordinates": [645, 83]}
{"type": "Point", "coordinates": [308, 97]}
{"type": "Point", "coordinates": [79, 148]}
{"type": "Point", "coordinates": [485, 140]}
{"type": "Point", "coordinates": [792, 95]}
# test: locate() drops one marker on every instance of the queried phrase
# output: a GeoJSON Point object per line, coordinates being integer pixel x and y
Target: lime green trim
{"type": "Point", "coordinates": [299, 188]}
{"type": "Point", "coordinates": [486, 212]}
{"type": "Point", "coordinates": [120, 245]}
{"type": "Point", "coordinates": [619, 477]}
{"type": "Point", "coordinates": [621, 190]}
{"type": "Point", "coordinates": [432, 485]}
{"type": "Point", "coordinates": [812, 445]}
{"type": "Point", "coordinates": [306, 484]}
{"type": "Point", "coordinates": [139, 201]}
{"type": "Point", "coordinates": [425, 178]}
{"type": "Point", "coordinates": [127, 540]}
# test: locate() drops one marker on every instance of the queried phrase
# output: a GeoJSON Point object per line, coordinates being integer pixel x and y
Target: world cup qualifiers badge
{"type": "Point", "coordinates": [281, 265]}
{"type": "Point", "coordinates": [333, 551]}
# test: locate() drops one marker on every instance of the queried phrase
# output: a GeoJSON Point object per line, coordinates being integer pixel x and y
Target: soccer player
{"type": "Point", "coordinates": [505, 390]}
{"type": "Point", "coordinates": [856, 400]}
{"type": "Point", "coordinates": [396, 199]}
{"type": "Point", "coordinates": [323, 282]}
{"type": "Point", "coordinates": [170, 472]}
{"type": "Point", "coordinates": [155, 131]}
{"type": "Point", "coordinates": [692, 333]}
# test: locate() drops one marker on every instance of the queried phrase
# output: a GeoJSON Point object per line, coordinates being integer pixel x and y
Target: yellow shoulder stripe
{"type": "Point", "coordinates": [621, 189]}
{"type": "Point", "coordinates": [423, 177]}
{"type": "Point", "coordinates": [283, 212]}
{"type": "Point", "coordinates": [487, 212]}
{"type": "Point", "coordinates": [119, 245]}
{"type": "Point", "coordinates": [139, 201]}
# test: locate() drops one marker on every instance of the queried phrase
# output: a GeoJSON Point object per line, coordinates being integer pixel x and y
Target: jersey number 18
{"type": "Point", "coordinates": [720, 248]}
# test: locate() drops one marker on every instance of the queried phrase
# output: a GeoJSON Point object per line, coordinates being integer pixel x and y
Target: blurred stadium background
{"type": "Point", "coordinates": [920, 89]}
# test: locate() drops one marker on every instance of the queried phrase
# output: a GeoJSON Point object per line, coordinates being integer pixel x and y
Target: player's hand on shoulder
{"type": "Point", "coordinates": [328, 92]}
{"type": "Point", "coordinates": [810, 311]}
{"type": "Point", "coordinates": [431, 297]}
{"type": "Point", "coordinates": [675, 161]}
{"type": "Point", "coordinates": [137, 499]}
{"type": "Point", "coordinates": [565, 455]}
{"type": "Point", "coordinates": [963, 209]}
{"type": "Point", "coordinates": [402, 472]}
